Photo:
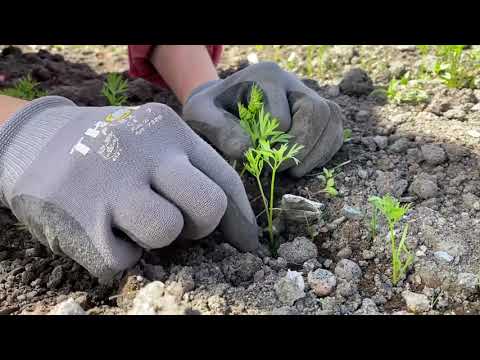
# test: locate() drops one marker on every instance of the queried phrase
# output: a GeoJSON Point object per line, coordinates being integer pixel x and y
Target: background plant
{"type": "Point", "coordinates": [26, 88]}
{"type": "Point", "coordinates": [114, 89]}
{"type": "Point", "coordinates": [393, 212]}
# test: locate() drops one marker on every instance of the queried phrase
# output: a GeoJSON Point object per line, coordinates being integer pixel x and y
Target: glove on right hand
{"type": "Point", "coordinates": [75, 175]}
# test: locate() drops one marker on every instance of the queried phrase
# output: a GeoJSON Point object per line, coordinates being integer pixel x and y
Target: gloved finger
{"type": "Point", "coordinates": [239, 223]}
{"type": "Point", "coordinates": [201, 201]}
{"type": "Point", "coordinates": [330, 140]}
{"type": "Point", "coordinates": [148, 219]}
{"type": "Point", "coordinates": [96, 248]}
{"type": "Point", "coordinates": [219, 126]}
{"type": "Point", "coordinates": [276, 103]}
{"type": "Point", "coordinates": [310, 117]}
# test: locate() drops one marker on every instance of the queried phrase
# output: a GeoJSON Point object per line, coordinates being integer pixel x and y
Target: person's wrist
{"type": "Point", "coordinates": [24, 135]}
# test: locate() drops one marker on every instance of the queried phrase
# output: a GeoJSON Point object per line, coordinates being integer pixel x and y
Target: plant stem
{"type": "Point", "coordinates": [394, 254]}
{"type": "Point", "coordinates": [270, 213]}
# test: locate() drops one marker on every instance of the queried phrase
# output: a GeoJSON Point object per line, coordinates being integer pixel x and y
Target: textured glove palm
{"type": "Point", "coordinates": [100, 184]}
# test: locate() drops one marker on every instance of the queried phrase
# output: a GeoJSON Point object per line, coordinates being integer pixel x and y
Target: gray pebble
{"type": "Point", "coordinates": [424, 187]}
{"type": "Point", "coordinates": [348, 270]}
{"type": "Point", "coordinates": [290, 288]}
{"type": "Point", "coordinates": [443, 255]}
{"type": "Point", "coordinates": [416, 303]}
{"type": "Point", "coordinates": [352, 213]}
{"type": "Point", "coordinates": [356, 82]}
{"type": "Point", "coordinates": [67, 307]}
{"type": "Point", "coordinates": [381, 141]}
{"type": "Point", "coordinates": [322, 282]}
{"type": "Point", "coordinates": [433, 154]}
{"type": "Point", "coordinates": [298, 251]}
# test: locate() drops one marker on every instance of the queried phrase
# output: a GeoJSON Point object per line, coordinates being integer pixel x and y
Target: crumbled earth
{"type": "Point", "coordinates": [426, 154]}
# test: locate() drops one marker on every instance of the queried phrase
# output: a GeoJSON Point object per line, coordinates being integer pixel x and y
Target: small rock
{"type": "Point", "coordinates": [252, 58]}
{"type": "Point", "coordinates": [471, 201]}
{"type": "Point", "coordinates": [333, 91]}
{"type": "Point", "coordinates": [368, 254]}
{"type": "Point", "coordinates": [300, 210]}
{"type": "Point", "coordinates": [241, 267]}
{"type": "Point", "coordinates": [400, 146]}
{"type": "Point", "coordinates": [455, 152]}
{"type": "Point", "coordinates": [344, 253]}
{"type": "Point", "coordinates": [67, 307]}
{"type": "Point", "coordinates": [362, 174]}
{"type": "Point", "coordinates": [259, 276]}
{"type": "Point", "coordinates": [424, 187]}
{"type": "Point", "coordinates": [327, 263]}
{"type": "Point", "coordinates": [457, 114]}
{"type": "Point", "coordinates": [290, 288]}
{"type": "Point", "coordinates": [311, 265]}
{"type": "Point", "coordinates": [153, 300]}
{"type": "Point", "coordinates": [55, 277]}
{"type": "Point", "coordinates": [476, 107]}
{"type": "Point", "coordinates": [433, 154]}
{"type": "Point", "coordinates": [368, 308]}
{"type": "Point", "coordinates": [381, 141]}
{"type": "Point", "coordinates": [322, 282]}
{"type": "Point", "coordinates": [416, 303]}
{"type": "Point", "coordinates": [468, 283]}
{"type": "Point", "coordinates": [397, 69]}
{"type": "Point", "coordinates": [406, 47]}
{"type": "Point", "coordinates": [352, 213]}
{"type": "Point", "coordinates": [474, 133]}
{"type": "Point", "coordinates": [362, 116]}
{"type": "Point", "coordinates": [284, 310]}
{"type": "Point", "coordinates": [348, 270]}
{"type": "Point", "coordinates": [390, 183]}
{"type": "Point", "coordinates": [443, 255]}
{"type": "Point", "coordinates": [356, 82]}
{"type": "Point", "coordinates": [298, 251]}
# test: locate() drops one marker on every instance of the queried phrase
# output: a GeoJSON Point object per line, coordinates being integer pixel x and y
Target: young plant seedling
{"type": "Point", "coordinates": [330, 188]}
{"type": "Point", "coordinates": [347, 135]}
{"type": "Point", "coordinates": [263, 131]}
{"type": "Point", "coordinates": [406, 91]}
{"type": "Point", "coordinates": [393, 212]}
{"type": "Point", "coordinates": [114, 90]}
{"type": "Point", "coordinates": [26, 88]}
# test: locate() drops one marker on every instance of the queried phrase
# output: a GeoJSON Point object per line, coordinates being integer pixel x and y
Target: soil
{"type": "Point", "coordinates": [390, 152]}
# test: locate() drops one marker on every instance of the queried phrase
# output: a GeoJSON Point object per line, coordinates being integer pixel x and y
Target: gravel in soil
{"type": "Point", "coordinates": [426, 154]}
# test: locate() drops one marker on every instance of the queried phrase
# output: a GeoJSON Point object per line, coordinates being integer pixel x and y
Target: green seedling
{"type": "Point", "coordinates": [26, 88]}
{"type": "Point", "coordinates": [264, 134]}
{"type": "Point", "coordinates": [347, 135]}
{"type": "Point", "coordinates": [273, 157]}
{"type": "Point", "coordinates": [393, 212]}
{"type": "Point", "coordinates": [114, 89]}
{"type": "Point", "coordinates": [451, 67]}
{"type": "Point", "coordinates": [406, 91]}
{"type": "Point", "coordinates": [330, 188]}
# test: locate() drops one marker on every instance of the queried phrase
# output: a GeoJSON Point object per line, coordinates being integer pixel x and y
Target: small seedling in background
{"type": "Point", "coordinates": [406, 91]}
{"type": "Point", "coordinates": [114, 89]}
{"type": "Point", "coordinates": [449, 66]}
{"type": "Point", "coordinates": [330, 182]}
{"type": "Point", "coordinates": [347, 135]}
{"type": "Point", "coordinates": [26, 88]}
{"type": "Point", "coordinates": [263, 131]}
{"type": "Point", "coordinates": [393, 212]}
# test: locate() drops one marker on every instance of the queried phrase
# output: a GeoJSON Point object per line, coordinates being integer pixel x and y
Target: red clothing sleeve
{"type": "Point", "coordinates": [140, 65]}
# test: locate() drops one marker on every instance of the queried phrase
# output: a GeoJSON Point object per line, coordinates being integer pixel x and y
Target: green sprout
{"type": "Point", "coordinates": [450, 66]}
{"type": "Point", "coordinates": [393, 212]}
{"type": "Point", "coordinates": [114, 89]}
{"type": "Point", "coordinates": [273, 157]}
{"type": "Point", "coordinates": [26, 88]}
{"type": "Point", "coordinates": [329, 188]}
{"type": "Point", "coordinates": [263, 131]}
{"type": "Point", "coordinates": [347, 135]}
{"type": "Point", "coordinates": [406, 91]}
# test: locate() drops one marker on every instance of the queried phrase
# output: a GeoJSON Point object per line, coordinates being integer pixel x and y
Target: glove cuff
{"type": "Point", "coordinates": [23, 136]}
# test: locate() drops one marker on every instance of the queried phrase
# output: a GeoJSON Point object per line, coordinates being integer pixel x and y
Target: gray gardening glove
{"type": "Point", "coordinates": [98, 184]}
{"type": "Point", "coordinates": [314, 122]}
